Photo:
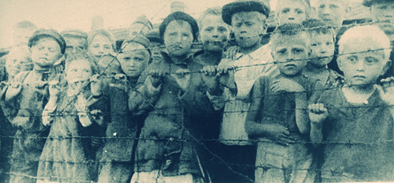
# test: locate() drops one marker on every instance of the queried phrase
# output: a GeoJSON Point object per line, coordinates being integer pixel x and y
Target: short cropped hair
{"type": "Point", "coordinates": [372, 32]}
{"type": "Point", "coordinates": [217, 11]}
{"type": "Point", "coordinates": [319, 27]}
{"type": "Point", "coordinates": [82, 56]}
{"type": "Point", "coordinates": [290, 29]}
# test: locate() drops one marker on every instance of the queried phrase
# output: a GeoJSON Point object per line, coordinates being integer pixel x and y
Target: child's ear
{"type": "Point", "coordinates": [386, 67]}
{"type": "Point", "coordinates": [339, 63]}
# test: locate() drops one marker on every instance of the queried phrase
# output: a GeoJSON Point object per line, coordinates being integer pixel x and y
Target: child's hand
{"type": "Point", "coordinates": [386, 91]}
{"type": "Point", "coordinates": [96, 142]}
{"type": "Point", "coordinates": [232, 52]}
{"type": "Point", "coordinates": [279, 133]}
{"type": "Point", "coordinates": [182, 77]}
{"type": "Point", "coordinates": [54, 88]}
{"type": "Point", "coordinates": [317, 113]}
{"type": "Point", "coordinates": [286, 85]}
{"type": "Point", "coordinates": [13, 91]}
{"type": "Point", "coordinates": [95, 85]}
{"type": "Point", "coordinates": [210, 78]}
{"type": "Point", "coordinates": [156, 76]}
{"type": "Point", "coordinates": [119, 81]}
{"type": "Point", "coordinates": [226, 75]}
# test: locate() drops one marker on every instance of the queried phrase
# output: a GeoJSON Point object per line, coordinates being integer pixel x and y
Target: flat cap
{"type": "Point", "coordinates": [230, 9]}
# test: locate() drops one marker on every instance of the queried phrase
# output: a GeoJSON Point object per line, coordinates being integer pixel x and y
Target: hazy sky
{"type": "Point", "coordinates": [63, 14]}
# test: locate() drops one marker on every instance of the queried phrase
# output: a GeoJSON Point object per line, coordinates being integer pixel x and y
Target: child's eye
{"type": "Point", "coordinates": [209, 29]}
{"type": "Point", "coordinates": [51, 50]}
{"type": "Point", "coordinates": [285, 10]}
{"type": "Point", "coordinates": [107, 47]}
{"type": "Point", "coordinates": [322, 6]}
{"type": "Point", "coordinates": [329, 43]}
{"type": "Point", "coordinates": [352, 59]}
{"type": "Point", "coordinates": [333, 6]}
{"type": "Point", "coordinates": [126, 58]}
{"type": "Point", "coordinates": [298, 50]}
{"type": "Point", "coordinates": [299, 11]}
{"type": "Point", "coordinates": [222, 29]}
{"type": "Point", "coordinates": [173, 34]}
{"type": "Point", "coordinates": [138, 58]}
{"type": "Point", "coordinates": [282, 51]}
{"type": "Point", "coordinates": [80, 48]}
{"type": "Point", "coordinates": [383, 7]}
{"type": "Point", "coordinates": [371, 60]}
{"type": "Point", "coordinates": [314, 45]}
{"type": "Point", "coordinates": [96, 46]}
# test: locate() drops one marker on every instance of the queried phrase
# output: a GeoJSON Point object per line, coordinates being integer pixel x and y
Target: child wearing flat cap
{"type": "Point", "coordinates": [24, 100]}
{"type": "Point", "coordinates": [117, 157]}
{"type": "Point", "coordinates": [382, 12]}
{"type": "Point", "coordinates": [248, 22]}
{"type": "Point", "coordinates": [166, 150]}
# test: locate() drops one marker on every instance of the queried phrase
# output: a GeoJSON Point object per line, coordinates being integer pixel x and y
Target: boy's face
{"type": "Point", "coordinates": [134, 59]}
{"type": "Point", "coordinates": [21, 36]}
{"type": "Point", "coordinates": [78, 70]}
{"type": "Point", "coordinates": [45, 52]}
{"type": "Point", "coordinates": [359, 65]}
{"type": "Point", "coordinates": [247, 28]}
{"type": "Point", "coordinates": [178, 38]}
{"type": "Point", "coordinates": [290, 11]}
{"type": "Point", "coordinates": [100, 45]}
{"type": "Point", "coordinates": [290, 53]}
{"type": "Point", "coordinates": [384, 14]}
{"type": "Point", "coordinates": [331, 11]}
{"type": "Point", "coordinates": [322, 45]}
{"type": "Point", "coordinates": [214, 33]}
{"type": "Point", "coordinates": [74, 44]}
{"type": "Point", "coordinates": [155, 49]}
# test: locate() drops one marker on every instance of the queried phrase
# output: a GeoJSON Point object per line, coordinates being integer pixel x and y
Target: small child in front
{"type": "Point", "coordinates": [24, 101]}
{"type": "Point", "coordinates": [275, 115]}
{"type": "Point", "coordinates": [355, 121]}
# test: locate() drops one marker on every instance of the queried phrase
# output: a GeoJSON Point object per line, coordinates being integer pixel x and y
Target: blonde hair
{"type": "Point", "coordinates": [216, 11]}
{"type": "Point", "coordinates": [371, 32]}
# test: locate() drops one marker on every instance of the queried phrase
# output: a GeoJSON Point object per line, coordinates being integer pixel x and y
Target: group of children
{"type": "Point", "coordinates": [154, 111]}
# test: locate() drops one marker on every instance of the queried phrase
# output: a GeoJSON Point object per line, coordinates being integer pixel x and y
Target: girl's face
{"type": "Point", "coordinates": [100, 45]}
{"type": "Point", "coordinates": [45, 52]}
{"type": "Point", "coordinates": [178, 38]}
{"type": "Point", "coordinates": [78, 71]}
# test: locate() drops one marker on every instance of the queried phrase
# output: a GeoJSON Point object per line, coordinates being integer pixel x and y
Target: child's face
{"type": "Point", "coordinates": [78, 70]}
{"type": "Point", "coordinates": [384, 14]}
{"type": "Point", "coordinates": [45, 52]}
{"type": "Point", "coordinates": [214, 33]}
{"type": "Point", "coordinates": [74, 44]}
{"type": "Point", "coordinates": [290, 53]}
{"type": "Point", "coordinates": [100, 45]}
{"type": "Point", "coordinates": [155, 49]}
{"type": "Point", "coordinates": [290, 11]}
{"type": "Point", "coordinates": [134, 59]}
{"type": "Point", "coordinates": [178, 38]}
{"type": "Point", "coordinates": [247, 28]}
{"type": "Point", "coordinates": [322, 45]}
{"type": "Point", "coordinates": [331, 11]}
{"type": "Point", "coordinates": [359, 65]}
{"type": "Point", "coordinates": [21, 36]}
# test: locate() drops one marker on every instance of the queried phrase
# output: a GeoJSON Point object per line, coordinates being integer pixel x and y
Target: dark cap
{"type": "Point", "coordinates": [230, 9]}
{"type": "Point", "coordinates": [50, 33]}
{"type": "Point", "coordinates": [154, 36]}
{"type": "Point", "coordinates": [179, 16]}
{"type": "Point", "coordinates": [369, 3]}
{"type": "Point", "coordinates": [140, 39]}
